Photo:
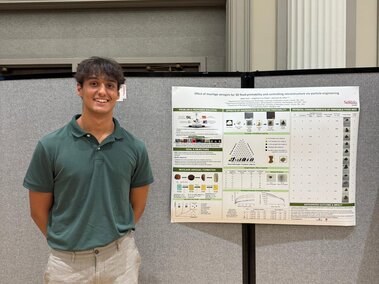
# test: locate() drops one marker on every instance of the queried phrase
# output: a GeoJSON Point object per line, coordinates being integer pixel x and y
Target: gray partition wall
{"type": "Point", "coordinates": [176, 253]}
{"type": "Point", "coordinates": [188, 253]}
{"type": "Point", "coordinates": [171, 253]}
{"type": "Point", "coordinates": [313, 254]}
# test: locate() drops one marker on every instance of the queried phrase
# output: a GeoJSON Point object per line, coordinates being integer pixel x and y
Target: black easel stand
{"type": "Point", "coordinates": [248, 253]}
{"type": "Point", "coordinates": [248, 230]}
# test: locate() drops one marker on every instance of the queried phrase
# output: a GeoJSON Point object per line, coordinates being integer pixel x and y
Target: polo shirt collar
{"type": "Point", "coordinates": [117, 133]}
{"type": "Point", "coordinates": [78, 132]}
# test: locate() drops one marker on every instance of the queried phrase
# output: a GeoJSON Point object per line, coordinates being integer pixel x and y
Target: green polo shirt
{"type": "Point", "coordinates": [90, 182]}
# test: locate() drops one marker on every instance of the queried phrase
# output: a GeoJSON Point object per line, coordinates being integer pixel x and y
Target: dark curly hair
{"type": "Point", "coordinates": [99, 66]}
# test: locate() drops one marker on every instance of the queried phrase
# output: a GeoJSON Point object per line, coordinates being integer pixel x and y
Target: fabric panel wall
{"type": "Point", "coordinates": [171, 253]}
{"type": "Point", "coordinates": [175, 253]}
{"type": "Point", "coordinates": [314, 254]}
{"type": "Point", "coordinates": [29, 110]}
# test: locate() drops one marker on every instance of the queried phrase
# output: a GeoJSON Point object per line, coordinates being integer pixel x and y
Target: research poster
{"type": "Point", "coordinates": [264, 156]}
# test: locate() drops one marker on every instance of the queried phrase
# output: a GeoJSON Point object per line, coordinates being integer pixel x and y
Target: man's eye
{"type": "Point", "coordinates": [111, 86]}
{"type": "Point", "coordinates": [93, 84]}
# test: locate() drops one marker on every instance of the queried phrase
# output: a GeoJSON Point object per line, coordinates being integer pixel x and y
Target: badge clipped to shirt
{"type": "Point", "coordinates": [122, 93]}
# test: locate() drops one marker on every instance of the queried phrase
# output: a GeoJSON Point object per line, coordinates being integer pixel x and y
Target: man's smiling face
{"type": "Point", "coordinates": [99, 94]}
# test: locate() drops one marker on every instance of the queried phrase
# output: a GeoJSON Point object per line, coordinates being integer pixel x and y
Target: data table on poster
{"type": "Point", "coordinates": [275, 156]}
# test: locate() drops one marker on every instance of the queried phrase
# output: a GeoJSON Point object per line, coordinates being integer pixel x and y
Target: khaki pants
{"type": "Point", "coordinates": [118, 262]}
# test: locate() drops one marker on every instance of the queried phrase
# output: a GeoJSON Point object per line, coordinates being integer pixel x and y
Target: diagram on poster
{"type": "Point", "coordinates": [270, 156]}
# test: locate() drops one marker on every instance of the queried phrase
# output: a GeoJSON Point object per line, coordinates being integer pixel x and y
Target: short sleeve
{"type": "Point", "coordinates": [39, 176]}
{"type": "Point", "coordinates": [143, 174]}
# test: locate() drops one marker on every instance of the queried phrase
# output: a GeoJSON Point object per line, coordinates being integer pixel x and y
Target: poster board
{"type": "Point", "coordinates": [276, 156]}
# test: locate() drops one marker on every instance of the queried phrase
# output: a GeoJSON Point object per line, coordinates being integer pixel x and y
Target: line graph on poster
{"type": "Point", "coordinates": [186, 209]}
{"type": "Point", "coordinates": [241, 199]}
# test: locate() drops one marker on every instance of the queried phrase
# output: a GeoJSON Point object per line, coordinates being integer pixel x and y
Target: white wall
{"type": "Point", "coordinates": [264, 34]}
{"type": "Point", "coordinates": [263, 39]}
{"type": "Point", "coordinates": [367, 30]}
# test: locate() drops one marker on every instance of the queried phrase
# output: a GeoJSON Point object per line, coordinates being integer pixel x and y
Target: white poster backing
{"type": "Point", "coordinates": [265, 156]}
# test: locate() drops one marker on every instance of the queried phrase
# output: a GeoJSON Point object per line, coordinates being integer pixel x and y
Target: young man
{"type": "Point", "coordinates": [88, 184]}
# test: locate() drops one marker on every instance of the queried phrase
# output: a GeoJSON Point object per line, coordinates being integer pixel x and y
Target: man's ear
{"type": "Point", "coordinates": [79, 89]}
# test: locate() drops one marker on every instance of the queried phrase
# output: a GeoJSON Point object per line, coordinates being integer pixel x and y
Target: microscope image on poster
{"type": "Point", "coordinates": [249, 122]}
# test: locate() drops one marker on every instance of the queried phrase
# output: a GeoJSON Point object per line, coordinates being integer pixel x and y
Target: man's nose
{"type": "Point", "coordinates": [102, 89]}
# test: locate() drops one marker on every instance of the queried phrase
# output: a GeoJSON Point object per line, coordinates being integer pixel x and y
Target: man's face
{"type": "Point", "coordinates": [99, 94]}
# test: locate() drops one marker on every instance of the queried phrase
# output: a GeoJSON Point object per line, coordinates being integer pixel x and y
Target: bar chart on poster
{"type": "Point", "coordinates": [274, 156]}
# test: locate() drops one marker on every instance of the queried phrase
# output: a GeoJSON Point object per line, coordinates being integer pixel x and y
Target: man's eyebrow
{"type": "Point", "coordinates": [93, 77]}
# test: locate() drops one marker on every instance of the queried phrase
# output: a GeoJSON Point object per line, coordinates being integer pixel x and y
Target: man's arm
{"type": "Point", "coordinates": [40, 205]}
{"type": "Point", "coordinates": [138, 197]}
